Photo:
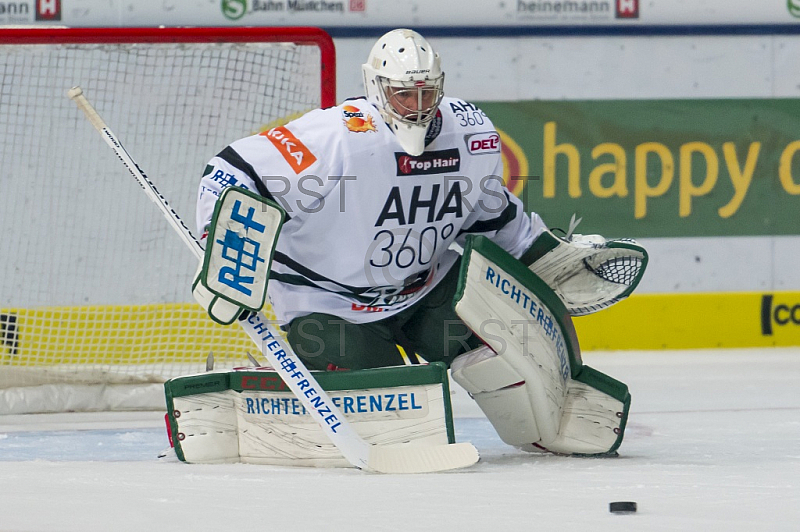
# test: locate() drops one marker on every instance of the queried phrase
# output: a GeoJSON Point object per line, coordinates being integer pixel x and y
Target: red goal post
{"type": "Point", "coordinates": [302, 36]}
{"type": "Point", "coordinates": [95, 301]}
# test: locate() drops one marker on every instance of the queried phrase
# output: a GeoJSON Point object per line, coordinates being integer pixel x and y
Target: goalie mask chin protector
{"type": "Point", "coordinates": [403, 78]}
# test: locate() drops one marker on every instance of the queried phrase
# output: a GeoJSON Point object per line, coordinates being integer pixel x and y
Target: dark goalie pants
{"type": "Point", "coordinates": [430, 328]}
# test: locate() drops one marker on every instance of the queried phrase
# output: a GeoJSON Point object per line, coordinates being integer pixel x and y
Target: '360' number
{"type": "Point", "coordinates": [471, 118]}
{"type": "Point", "coordinates": [415, 248]}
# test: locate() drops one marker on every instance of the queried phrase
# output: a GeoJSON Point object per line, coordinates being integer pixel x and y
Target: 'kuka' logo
{"type": "Point", "coordinates": [293, 150]}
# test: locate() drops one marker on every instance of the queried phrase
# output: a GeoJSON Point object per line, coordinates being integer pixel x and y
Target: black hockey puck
{"type": "Point", "coordinates": [622, 507]}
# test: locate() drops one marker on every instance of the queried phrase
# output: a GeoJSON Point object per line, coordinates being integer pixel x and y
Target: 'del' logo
{"type": "Point", "coordinates": [794, 7]}
{"type": "Point", "coordinates": [779, 315]}
{"type": "Point", "coordinates": [48, 9]}
{"type": "Point", "coordinates": [480, 143]}
{"type": "Point", "coordinates": [629, 8]}
{"type": "Point", "coordinates": [355, 122]}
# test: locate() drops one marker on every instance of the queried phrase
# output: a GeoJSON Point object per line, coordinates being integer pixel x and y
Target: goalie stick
{"type": "Point", "coordinates": [363, 455]}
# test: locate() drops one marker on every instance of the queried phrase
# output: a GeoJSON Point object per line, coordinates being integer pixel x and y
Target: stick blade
{"type": "Point", "coordinates": [421, 459]}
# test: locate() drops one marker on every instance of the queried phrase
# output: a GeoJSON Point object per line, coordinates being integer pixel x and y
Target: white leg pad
{"type": "Point", "coordinates": [481, 370]}
{"type": "Point", "coordinates": [250, 416]}
{"type": "Point", "coordinates": [500, 392]}
{"type": "Point", "coordinates": [591, 422]}
{"type": "Point", "coordinates": [530, 380]}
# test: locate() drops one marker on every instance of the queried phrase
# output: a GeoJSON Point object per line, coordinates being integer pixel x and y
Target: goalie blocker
{"type": "Point", "coordinates": [530, 381]}
{"type": "Point", "coordinates": [232, 277]}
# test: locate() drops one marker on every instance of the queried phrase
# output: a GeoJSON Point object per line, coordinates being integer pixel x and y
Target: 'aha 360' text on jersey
{"type": "Point", "coordinates": [368, 227]}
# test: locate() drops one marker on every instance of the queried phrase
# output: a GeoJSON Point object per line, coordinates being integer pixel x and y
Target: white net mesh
{"type": "Point", "coordinates": [94, 284]}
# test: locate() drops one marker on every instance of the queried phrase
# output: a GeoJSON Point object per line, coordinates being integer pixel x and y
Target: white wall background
{"type": "Point", "coordinates": [349, 13]}
{"type": "Point", "coordinates": [602, 68]}
{"type": "Point", "coordinates": [590, 68]}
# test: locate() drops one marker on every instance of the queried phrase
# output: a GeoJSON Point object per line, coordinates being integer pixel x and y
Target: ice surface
{"type": "Point", "coordinates": [713, 443]}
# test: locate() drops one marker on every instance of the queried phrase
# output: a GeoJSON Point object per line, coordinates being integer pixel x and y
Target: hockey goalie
{"type": "Point", "coordinates": [399, 245]}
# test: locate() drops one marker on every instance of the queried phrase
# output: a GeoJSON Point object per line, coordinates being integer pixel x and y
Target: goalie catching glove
{"type": "Point", "coordinates": [587, 272]}
{"type": "Point", "coordinates": [232, 277]}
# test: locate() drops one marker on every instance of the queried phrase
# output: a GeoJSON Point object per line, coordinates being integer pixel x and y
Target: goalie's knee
{"type": "Point", "coordinates": [501, 393]}
{"type": "Point", "coordinates": [591, 421]}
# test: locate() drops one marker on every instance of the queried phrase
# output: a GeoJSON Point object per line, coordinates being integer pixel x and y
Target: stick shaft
{"type": "Point", "coordinates": [279, 354]}
{"type": "Point", "coordinates": [76, 94]}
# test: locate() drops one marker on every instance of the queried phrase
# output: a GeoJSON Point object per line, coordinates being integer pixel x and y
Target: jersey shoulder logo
{"type": "Point", "coordinates": [480, 143]}
{"type": "Point", "coordinates": [295, 152]}
{"type": "Point", "coordinates": [355, 121]}
{"type": "Point", "coordinates": [467, 115]}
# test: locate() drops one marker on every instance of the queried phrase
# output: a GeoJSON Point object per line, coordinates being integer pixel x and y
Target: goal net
{"type": "Point", "coordinates": [96, 309]}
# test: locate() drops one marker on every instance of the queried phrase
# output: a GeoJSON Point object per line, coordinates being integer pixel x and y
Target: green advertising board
{"type": "Point", "coordinates": [657, 168]}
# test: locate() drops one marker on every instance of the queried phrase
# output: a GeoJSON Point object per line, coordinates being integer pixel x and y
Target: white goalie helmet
{"type": "Point", "coordinates": [403, 78]}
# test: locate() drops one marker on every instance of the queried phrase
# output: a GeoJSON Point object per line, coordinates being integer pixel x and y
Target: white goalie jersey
{"type": "Point", "coordinates": [368, 227]}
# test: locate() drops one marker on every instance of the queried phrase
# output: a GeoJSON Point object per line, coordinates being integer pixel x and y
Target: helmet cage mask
{"type": "Point", "coordinates": [411, 102]}
{"type": "Point", "coordinates": [404, 80]}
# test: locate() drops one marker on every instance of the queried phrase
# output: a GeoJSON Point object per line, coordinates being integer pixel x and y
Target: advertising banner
{"type": "Point", "coordinates": [656, 168]}
{"type": "Point", "coordinates": [399, 13]}
{"type": "Point", "coordinates": [695, 321]}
